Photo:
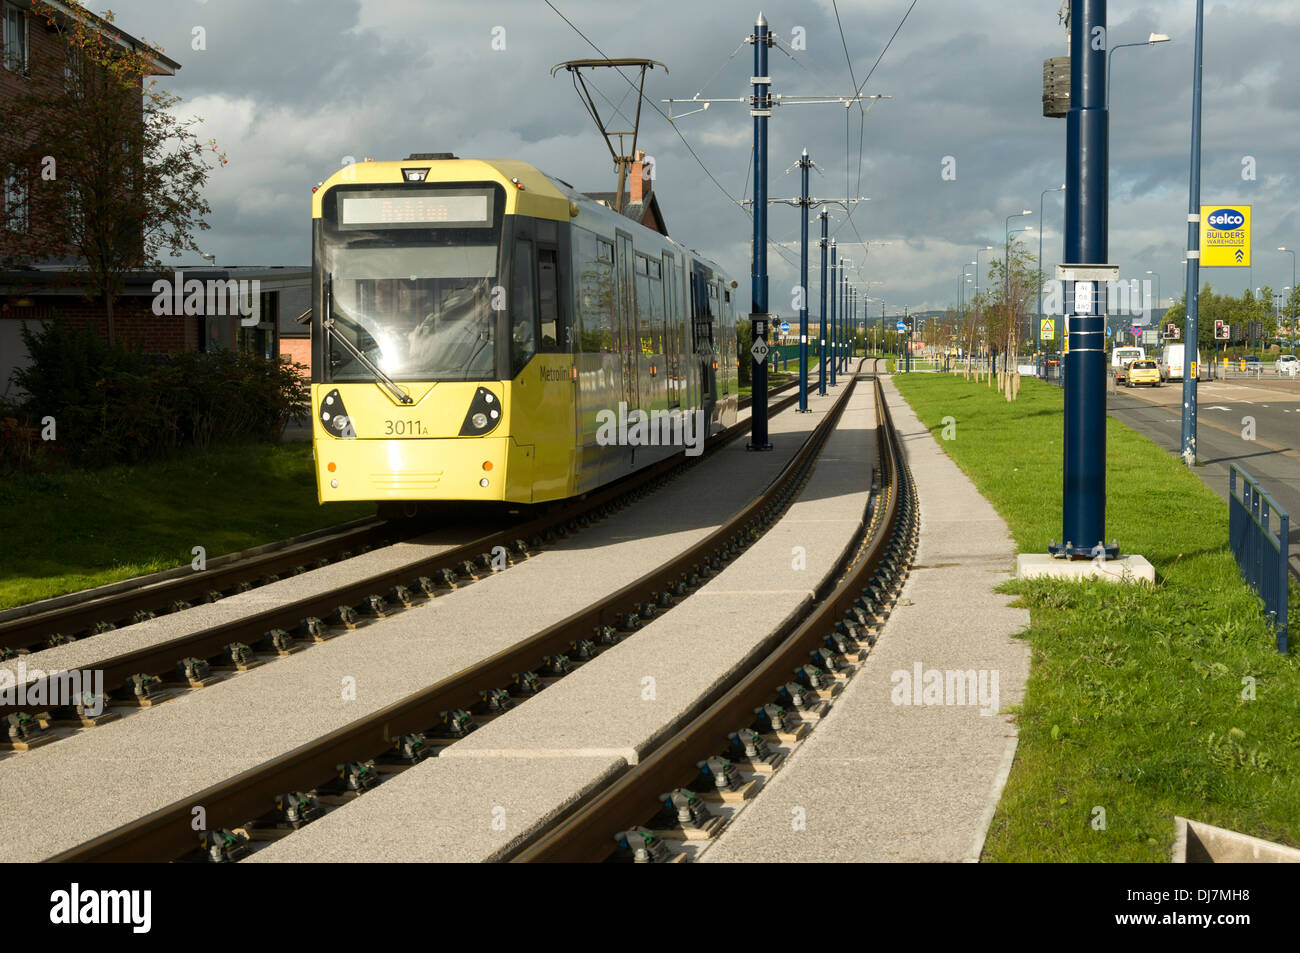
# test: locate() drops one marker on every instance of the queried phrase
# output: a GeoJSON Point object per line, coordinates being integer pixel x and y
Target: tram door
{"type": "Point", "coordinates": [702, 329]}
{"type": "Point", "coordinates": [628, 344]}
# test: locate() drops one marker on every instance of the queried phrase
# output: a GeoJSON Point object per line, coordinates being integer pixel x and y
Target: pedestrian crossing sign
{"type": "Point", "coordinates": [1047, 331]}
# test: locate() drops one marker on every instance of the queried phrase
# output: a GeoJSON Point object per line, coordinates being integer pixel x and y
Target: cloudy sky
{"type": "Point", "coordinates": [291, 87]}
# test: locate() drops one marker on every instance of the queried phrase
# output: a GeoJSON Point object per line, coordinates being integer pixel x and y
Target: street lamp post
{"type": "Point", "coordinates": [1291, 320]}
{"type": "Point", "coordinates": [1190, 334]}
{"type": "Point", "coordinates": [1041, 229]}
{"type": "Point", "coordinates": [1152, 40]}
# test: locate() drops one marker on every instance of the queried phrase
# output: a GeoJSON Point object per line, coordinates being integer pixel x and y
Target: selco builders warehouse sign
{"type": "Point", "coordinates": [1225, 236]}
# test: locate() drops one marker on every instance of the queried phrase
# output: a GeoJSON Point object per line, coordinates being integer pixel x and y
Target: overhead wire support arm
{"type": "Point", "coordinates": [622, 160]}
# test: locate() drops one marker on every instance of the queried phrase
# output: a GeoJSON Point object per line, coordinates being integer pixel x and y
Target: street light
{"type": "Point", "coordinates": [1157, 287]}
{"type": "Point", "coordinates": [1006, 263]}
{"type": "Point", "coordinates": [1291, 252]}
{"type": "Point", "coordinates": [1040, 263]}
{"type": "Point", "coordinates": [1152, 40]}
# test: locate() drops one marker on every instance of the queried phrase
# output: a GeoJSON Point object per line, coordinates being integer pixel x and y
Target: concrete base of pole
{"type": "Point", "coordinates": [1126, 569]}
{"type": "Point", "coordinates": [1196, 842]}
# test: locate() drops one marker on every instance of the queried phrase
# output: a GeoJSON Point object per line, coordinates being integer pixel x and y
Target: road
{"type": "Point", "coordinates": [1272, 457]}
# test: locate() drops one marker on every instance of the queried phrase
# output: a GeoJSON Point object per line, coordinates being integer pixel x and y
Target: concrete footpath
{"type": "Point", "coordinates": [900, 771]}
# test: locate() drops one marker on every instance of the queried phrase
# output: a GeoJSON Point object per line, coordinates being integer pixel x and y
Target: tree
{"type": "Point", "coordinates": [1237, 312]}
{"type": "Point", "coordinates": [1008, 299]}
{"type": "Point", "coordinates": [109, 175]}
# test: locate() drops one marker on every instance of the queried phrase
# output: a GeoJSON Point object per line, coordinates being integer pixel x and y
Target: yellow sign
{"type": "Point", "coordinates": [1225, 236]}
{"type": "Point", "coordinates": [1047, 331]}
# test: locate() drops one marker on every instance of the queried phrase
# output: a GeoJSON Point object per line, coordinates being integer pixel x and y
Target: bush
{"type": "Point", "coordinates": [112, 405]}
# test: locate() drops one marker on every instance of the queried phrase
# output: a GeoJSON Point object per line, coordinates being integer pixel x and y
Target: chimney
{"type": "Point", "coordinates": [639, 184]}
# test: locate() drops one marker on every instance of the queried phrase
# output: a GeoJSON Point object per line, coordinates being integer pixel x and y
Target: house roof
{"type": "Point", "coordinates": [162, 65]}
{"type": "Point", "coordinates": [646, 211]}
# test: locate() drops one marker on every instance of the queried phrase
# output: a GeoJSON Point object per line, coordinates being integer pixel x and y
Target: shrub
{"type": "Point", "coordinates": [117, 406]}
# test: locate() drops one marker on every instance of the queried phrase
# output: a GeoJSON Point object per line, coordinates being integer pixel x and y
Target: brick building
{"type": "Point", "coordinates": [36, 57]}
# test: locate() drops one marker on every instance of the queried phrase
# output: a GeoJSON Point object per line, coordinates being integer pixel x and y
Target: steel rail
{"type": "Point", "coordinates": [168, 833]}
{"type": "Point", "coordinates": [587, 834]}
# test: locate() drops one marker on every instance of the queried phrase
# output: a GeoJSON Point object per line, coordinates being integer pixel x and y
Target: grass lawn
{"type": "Point", "coordinates": [76, 529]}
{"type": "Point", "coordinates": [1138, 697]}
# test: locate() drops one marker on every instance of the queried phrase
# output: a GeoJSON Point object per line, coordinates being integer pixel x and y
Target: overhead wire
{"type": "Point", "coordinates": [655, 106]}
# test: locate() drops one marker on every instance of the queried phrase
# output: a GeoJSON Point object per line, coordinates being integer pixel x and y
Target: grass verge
{"type": "Point", "coordinates": [1143, 702]}
{"type": "Point", "coordinates": [76, 529]}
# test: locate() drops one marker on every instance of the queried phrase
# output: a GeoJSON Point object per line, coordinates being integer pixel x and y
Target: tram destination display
{"type": "Point", "coordinates": [419, 210]}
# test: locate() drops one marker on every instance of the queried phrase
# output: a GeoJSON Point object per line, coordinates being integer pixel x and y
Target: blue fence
{"type": "Point", "coordinates": [1260, 550]}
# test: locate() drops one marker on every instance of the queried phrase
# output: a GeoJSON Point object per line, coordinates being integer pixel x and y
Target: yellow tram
{"type": "Point", "coordinates": [477, 324]}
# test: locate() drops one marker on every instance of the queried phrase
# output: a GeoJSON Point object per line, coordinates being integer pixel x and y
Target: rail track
{"type": "Point", "coordinates": [277, 795]}
{"type": "Point", "coordinates": [846, 619]}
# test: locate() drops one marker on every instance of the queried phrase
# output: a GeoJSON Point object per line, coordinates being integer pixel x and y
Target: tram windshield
{"type": "Point", "coordinates": [416, 312]}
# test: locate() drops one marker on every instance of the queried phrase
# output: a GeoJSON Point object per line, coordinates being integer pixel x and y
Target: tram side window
{"type": "Point", "coordinates": [554, 339]}
{"type": "Point", "coordinates": [645, 314]}
{"type": "Point", "coordinates": [593, 293]}
{"type": "Point", "coordinates": [523, 343]}
{"type": "Point", "coordinates": [593, 276]}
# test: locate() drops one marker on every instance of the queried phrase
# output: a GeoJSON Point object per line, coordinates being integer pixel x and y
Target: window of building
{"type": "Point", "coordinates": [14, 23]}
{"type": "Point", "coordinates": [13, 202]}
{"type": "Point", "coordinates": [73, 75]}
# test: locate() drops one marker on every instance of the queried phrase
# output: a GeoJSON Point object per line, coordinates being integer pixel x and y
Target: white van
{"type": "Point", "coordinates": [1171, 362]}
{"type": "Point", "coordinates": [1120, 357]}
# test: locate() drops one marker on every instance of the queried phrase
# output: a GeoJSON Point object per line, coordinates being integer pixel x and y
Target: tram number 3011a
{"type": "Point", "coordinates": [400, 428]}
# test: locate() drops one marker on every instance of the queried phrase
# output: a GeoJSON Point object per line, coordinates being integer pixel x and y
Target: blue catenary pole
{"type": "Point", "coordinates": [804, 163]}
{"type": "Point", "coordinates": [761, 109]}
{"type": "Point", "coordinates": [1190, 338]}
{"type": "Point", "coordinates": [1086, 196]}
{"type": "Point", "coordinates": [834, 289]}
{"type": "Point", "coordinates": [821, 347]}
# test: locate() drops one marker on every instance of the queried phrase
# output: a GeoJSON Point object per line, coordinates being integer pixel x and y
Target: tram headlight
{"type": "Point", "coordinates": [483, 415]}
{"type": "Point", "coordinates": [334, 416]}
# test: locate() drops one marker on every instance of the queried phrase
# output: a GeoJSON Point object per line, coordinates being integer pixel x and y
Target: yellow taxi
{"type": "Point", "coordinates": [1142, 372]}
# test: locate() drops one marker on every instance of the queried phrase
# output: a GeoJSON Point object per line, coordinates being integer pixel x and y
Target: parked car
{"type": "Point", "coordinates": [1254, 364]}
{"type": "Point", "coordinates": [1287, 364]}
{"type": "Point", "coordinates": [1143, 372]}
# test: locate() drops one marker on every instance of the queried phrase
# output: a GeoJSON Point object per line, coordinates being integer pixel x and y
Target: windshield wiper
{"type": "Point", "coordinates": [327, 323]}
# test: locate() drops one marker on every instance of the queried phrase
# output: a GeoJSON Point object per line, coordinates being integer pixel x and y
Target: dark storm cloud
{"type": "Point", "coordinates": [291, 88]}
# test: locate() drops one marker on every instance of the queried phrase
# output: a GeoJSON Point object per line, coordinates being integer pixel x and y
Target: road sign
{"type": "Point", "coordinates": [1150, 336]}
{"type": "Point", "coordinates": [1047, 331]}
{"type": "Point", "coordinates": [1225, 236]}
{"type": "Point", "coordinates": [1135, 330]}
{"type": "Point", "coordinates": [1083, 291]}
{"type": "Point", "coordinates": [785, 327]}
{"type": "Point", "coordinates": [759, 350]}
{"type": "Point", "coordinates": [902, 326]}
